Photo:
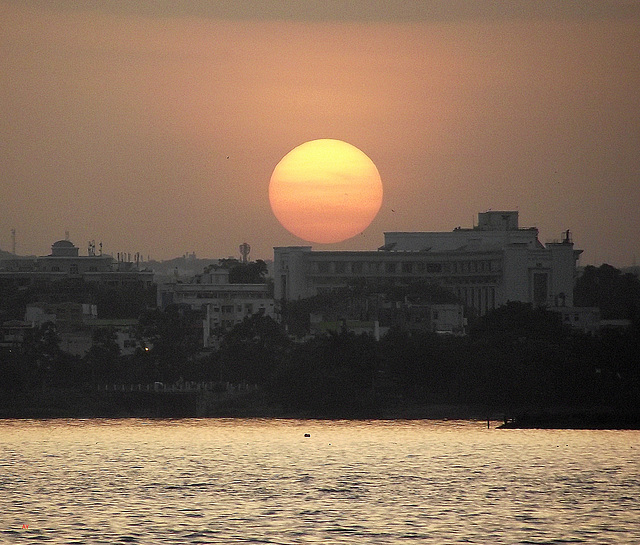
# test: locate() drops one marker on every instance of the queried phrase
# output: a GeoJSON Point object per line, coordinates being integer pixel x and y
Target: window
{"type": "Point", "coordinates": [340, 267]}
{"type": "Point", "coordinates": [323, 267]}
{"type": "Point", "coordinates": [73, 268]}
{"type": "Point", "coordinates": [356, 267]}
{"type": "Point", "coordinates": [390, 268]}
{"type": "Point", "coordinates": [407, 268]}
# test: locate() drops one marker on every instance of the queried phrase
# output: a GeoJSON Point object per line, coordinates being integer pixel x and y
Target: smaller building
{"type": "Point", "coordinates": [221, 303]}
{"type": "Point", "coordinates": [65, 262]}
{"type": "Point", "coordinates": [76, 324]}
{"type": "Point", "coordinates": [318, 325]}
{"type": "Point", "coordinates": [444, 319]}
{"type": "Point", "coordinates": [584, 319]}
{"type": "Point", "coordinates": [13, 334]}
{"type": "Point", "coordinates": [124, 330]}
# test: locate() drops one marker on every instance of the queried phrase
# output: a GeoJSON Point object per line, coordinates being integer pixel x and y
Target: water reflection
{"type": "Point", "coordinates": [250, 481]}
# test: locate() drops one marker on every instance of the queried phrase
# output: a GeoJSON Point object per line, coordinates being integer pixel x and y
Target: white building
{"type": "Point", "coordinates": [485, 266]}
{"type": "Point", "coordinates": [76, 324]}
{"type": "Point", "coordinates": [585, 319]}
{"type": "Point", "coordinates": [442, 318]}
{"type": "Point", "coordinates": [223, 304]}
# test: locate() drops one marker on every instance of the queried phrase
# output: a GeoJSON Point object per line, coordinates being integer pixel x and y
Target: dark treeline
{"type": "Point", "coordinates": [500, 365]}
{"type": "Point", "coordinates": [617, 294]}
{"type": "Point", "coordinates": [513, 357]}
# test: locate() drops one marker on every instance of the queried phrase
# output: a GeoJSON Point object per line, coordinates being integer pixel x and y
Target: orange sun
{"type": "Point", "coordinates": [325, 191]}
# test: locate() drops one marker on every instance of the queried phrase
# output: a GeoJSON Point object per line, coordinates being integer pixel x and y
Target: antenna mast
{"type": "Point", "coordinates": [13, 241]}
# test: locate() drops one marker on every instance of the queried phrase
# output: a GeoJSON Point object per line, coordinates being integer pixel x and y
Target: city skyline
{"type": "Point", "coordinates": [155, 128]}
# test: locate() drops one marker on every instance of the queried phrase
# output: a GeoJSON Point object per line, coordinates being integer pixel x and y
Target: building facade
{"type": "Point", "coordinates": [222, 304]}
{"type": "Point", "coordinates": [65, 262]}
{"type": "Point", "coordinates": [484, 266]}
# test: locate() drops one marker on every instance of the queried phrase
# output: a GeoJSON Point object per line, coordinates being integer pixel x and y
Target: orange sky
{"type": "Point", "coordinates": [155, 128]}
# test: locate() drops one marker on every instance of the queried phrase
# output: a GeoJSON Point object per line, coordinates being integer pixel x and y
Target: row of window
{"type": "Point", "coordinates": [445, 281]}
{"type": "Point", "coordinates": [224, 295]}
{"type": "Point", "coordinates": [225, 324]}
{"type": "Point", "coordinates": [482, 299]}
{"type": "Point", "coordinates": [229, 309]}
{"type": "Point", "coordinates": [404, 267]}
{"type": "Point", "coordinates": [73, 269]}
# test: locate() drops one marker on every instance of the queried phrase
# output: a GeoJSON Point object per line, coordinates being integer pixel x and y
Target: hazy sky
{"type": "Point", "coordinates": [155, 127]}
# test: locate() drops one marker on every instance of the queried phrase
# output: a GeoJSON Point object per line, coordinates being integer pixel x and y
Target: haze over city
{"type": "Point", "coordinates": [155, 127]}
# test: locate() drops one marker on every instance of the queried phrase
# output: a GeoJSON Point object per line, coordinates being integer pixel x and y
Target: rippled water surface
{"type": "Point", "coordinates": [263, 481]}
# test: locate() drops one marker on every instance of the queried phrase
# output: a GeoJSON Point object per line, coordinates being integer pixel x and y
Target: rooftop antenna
{"type": "Point", "coordinates": [66, 235]}
{"type": "Point", "coordinates": [13, 241]}
{"type": "Point", "coordinates": [244, 251]}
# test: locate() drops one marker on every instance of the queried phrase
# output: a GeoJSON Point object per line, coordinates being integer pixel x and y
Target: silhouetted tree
{"type": "Point", "coordinates": [616, 294]}
{"type": "Point", "coordinates": [102, 359]}
{"type": "Point", "coordinates": [251, 350]}
{"type": "Point", "coordinates": [518, 320]}
{"type": "Point", "coordinates": [248, 273]}
{"type": "Point", "coordinates": [175, 335]}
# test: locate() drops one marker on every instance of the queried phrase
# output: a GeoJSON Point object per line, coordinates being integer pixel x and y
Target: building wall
{"type": "Point", "coordinates": [222, 304]}
{"type": "Point", "coordinates": [438, 318]}
{"type": "Point", "coordinates": [585, 319]}
{"type": "Point", "coordinates": [485, 266]}
{"type": "Point", "coordinates": [64, 262]}
{"type": "Point", "coordinates": [563, 266]}
{"type": "Point", "coordinates": [516, 279]}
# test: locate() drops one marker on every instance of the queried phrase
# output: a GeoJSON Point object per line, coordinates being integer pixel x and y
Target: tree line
{"type": "Point", "coordinates": [514, 356]}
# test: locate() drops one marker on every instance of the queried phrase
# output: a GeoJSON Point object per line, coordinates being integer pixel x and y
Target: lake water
{"type": "Point", "coordinates": [263, 481]}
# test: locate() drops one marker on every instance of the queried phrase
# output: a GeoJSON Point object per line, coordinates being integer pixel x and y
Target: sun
{"type": "Point", "coordinates": [325, 191]}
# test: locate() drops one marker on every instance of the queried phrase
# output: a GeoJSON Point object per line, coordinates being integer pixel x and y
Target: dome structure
{"type": "Point", "coordinates": [64, 248]}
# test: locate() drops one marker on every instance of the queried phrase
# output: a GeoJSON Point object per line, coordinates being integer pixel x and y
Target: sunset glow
{"type": "Point", "coordinates": [176, 113]}
{"type": "Point", "coordinates": [325, 191]}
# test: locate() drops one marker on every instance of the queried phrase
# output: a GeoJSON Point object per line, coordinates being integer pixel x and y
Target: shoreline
{"type": "Point", "coordinates": [81, 404]}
